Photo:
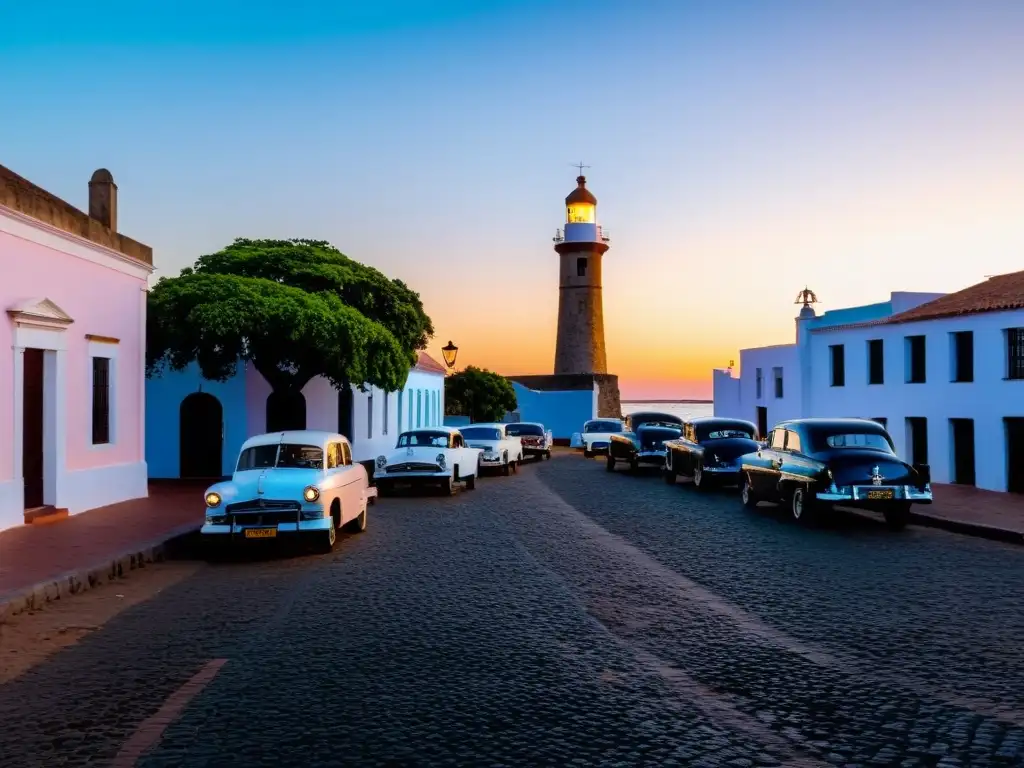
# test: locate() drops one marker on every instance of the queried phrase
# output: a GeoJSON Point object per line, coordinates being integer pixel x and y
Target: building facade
{"type": "Point", "coordinates": [944, 373]}
{"type": "Point", "coordinates": [72, 383]}
{"type": "Point", "coordinates": [196, 427]}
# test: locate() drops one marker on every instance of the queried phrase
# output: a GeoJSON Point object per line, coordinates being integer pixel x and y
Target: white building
{"type": "Point", "coordinates": [943, 372]}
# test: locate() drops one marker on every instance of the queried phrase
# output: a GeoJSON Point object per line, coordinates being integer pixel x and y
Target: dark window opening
{"type": "Point", "coordinates": [917, 434]}
{"type": "Point", "coordinates": [1014, 454]}
{"type": "Point", "coordinates": [759, 379]}
{"type": "Point", "coordinates": [581, 267]}
{"type": "Point", "coordinates": [100, 400]}
{"type": "Point", "coordinates": [838, 355]}
{"type": "Point", "coordinates": [1015, 353]}
{"type": "Point", "coordinates": [762, 422]}
{"type": "Point", "coordinates": [778, 382]}
{"type": "Point", "coordinates": [876, 362]}
{"type": "Point", "coordinates": [915, 360]}
{"type": "Point", "coordinates": [963, 356]}
{"type": "Point", "coordinates": [369, 416]}
{"type": "Point", "coordinates": [963, 451]}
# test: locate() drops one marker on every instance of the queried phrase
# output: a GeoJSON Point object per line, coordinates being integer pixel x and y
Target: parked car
{"type": "Point", "coordinates": [816, 464]}
{"type": "Point", "coordinates": [430, 457]}
{"type": "Point", "coordinates": [709, 451]}
{"type": "Point", "coordinates": [596, 436]}
{"type": "Point", "coordinates": [643, 439]}
{"type": "Point", "coordinates": [289, 484]}
{"type": "Point", "coordinates": [536, 440]}
{"type": "Point", "coordinates": [499, 448]}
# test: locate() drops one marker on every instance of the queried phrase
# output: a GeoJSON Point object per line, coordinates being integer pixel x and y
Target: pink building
{"type": "Point", "coordinates": [72, 385]}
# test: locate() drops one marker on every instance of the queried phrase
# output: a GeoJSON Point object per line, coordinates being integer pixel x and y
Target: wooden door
{"type": "Point", "coordinates": [32, 428]}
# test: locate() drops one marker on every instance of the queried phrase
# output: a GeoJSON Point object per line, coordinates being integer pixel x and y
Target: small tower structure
{"type": "Point", "coordinates": [579, 347]}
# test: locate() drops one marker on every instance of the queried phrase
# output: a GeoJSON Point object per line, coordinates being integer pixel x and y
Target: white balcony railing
{"type": "Point", "coordinates": [602, 235]}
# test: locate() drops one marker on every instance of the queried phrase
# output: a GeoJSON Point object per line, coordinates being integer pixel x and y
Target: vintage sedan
{"type": "Point", "coordinates": [643, 440]}
{"type": "Point", "coordinates": [709, 451]}
{"type": "Point", "coordinates": [536, 440]}
{"type": "Point", "coordinates": [430, 457]}
{"type": "Point", "coordinates": [815, 464]}
{"type": "Point", "coordinates": [596, 435]}
{"type": "Point", "coordinates": [499, 449]}
{"type": "Point", "coordinates": [290, 484]}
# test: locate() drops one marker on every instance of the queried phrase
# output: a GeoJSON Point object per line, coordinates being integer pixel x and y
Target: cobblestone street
{"type": "Point", "coordinates": [561, 616]}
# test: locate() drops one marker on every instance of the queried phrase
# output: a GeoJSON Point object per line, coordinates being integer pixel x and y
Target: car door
{"type": "Point", "coordinates": [351, 483]}
{"type": "Point", "coordinates": [769, 464]}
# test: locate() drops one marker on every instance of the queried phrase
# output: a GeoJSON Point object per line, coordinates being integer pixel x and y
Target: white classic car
{"type": "Point", "coordinates": [596, 436]}
{"type": "Point", "coordinates": [290, 484]}
{"type": "Point", "coordinates": [500, 448]}
{"type": "Point", "coordinates": [536, 440]}
{"type": "Point", "coordinates": [435, 456]}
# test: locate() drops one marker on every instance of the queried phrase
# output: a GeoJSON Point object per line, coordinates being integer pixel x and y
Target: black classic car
{"type": "Point", "coordinates": [816, 464]}
{"type": "Point", "coordinates": [643, 439]}
{"type": "Point", "coordinates": [709, 451]}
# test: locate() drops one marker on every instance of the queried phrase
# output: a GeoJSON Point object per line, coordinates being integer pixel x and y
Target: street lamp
{"type": "Point", "coordinates": [450, 352]}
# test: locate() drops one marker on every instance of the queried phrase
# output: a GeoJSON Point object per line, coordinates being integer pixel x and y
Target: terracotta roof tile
{"type": "Point", "coordinates": [427, 364]}
{"type": "Point", "coordinates": [1000, 292]}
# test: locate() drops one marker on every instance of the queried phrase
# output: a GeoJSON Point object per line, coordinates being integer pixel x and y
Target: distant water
{"type": "Point", "coordinates": [682, 410]}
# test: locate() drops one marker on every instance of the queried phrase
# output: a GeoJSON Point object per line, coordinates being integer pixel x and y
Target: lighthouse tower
{"type": "Point", "coordinates": [580, 247]}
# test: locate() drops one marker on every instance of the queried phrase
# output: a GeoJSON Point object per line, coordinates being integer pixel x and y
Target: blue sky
{"type": "Point", "coordinates": [738, 149]}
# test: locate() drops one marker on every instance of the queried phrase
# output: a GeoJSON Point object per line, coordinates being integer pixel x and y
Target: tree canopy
{"type": "Point", "coordinates": [296, 309]}
{"type": "Point", "coordinates": [478, 393]}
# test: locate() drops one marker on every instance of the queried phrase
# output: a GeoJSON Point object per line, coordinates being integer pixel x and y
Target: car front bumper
{"type": "Point", "coordinates": [491, 461]}
{"type": "Point", "coordinates": [405, 477]}
{"type": "Point", "coordinates": [867, 494]}
{"type": "Point", "coordinates": [651, 457]}
{"type": "Point", "coordinates": [598, 446]}
{"type": "Point", "coordinates": [535, 450]}
{"type": "Point", "coordinates": [725, 474]}
{"type": "Point", "coordinates": [238, 529]}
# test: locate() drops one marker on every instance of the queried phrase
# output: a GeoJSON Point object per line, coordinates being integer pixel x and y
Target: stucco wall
{"type": "Point", "coordinates": [987, 400]}
{"type": "Point", "coordinates": [767, 359]}
{"type": "Point", "coordinates": [563, 412]}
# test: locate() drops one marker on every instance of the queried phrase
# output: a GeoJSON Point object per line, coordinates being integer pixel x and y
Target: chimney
{"type": "Point", "coordinates": [103, 199]}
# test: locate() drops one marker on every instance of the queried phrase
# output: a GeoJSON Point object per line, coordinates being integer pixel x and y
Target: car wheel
{"type": "Point", "coordinates": [359, 524]}
{"type": "Point", "coordinates": [634, 465]}
{"type": "Point", "coordinates": [587, 453]}
{"type": "Point", "coordinates": [471, 483]}
{"type": "Point", "coordinates": [801, 505]}
{"type": "Point", "coordinates": [699, 482]}
{"type": "Point", "coordinates": [446, 487]}
{"type": "Point", "coordinates": [896, 518]}
{"type": "Point", "coordinates": [328, 538]}
{"type": "Point", "coordinates": [506, 470]}
{"type": "Point", "coordinates": [668, 471]}
{"type": "Point", "coordinates": [747, 493]}
{"type": "Point", "coordinates": [547, 455]}
{"type": "Point", "coordinates": [609, 463]}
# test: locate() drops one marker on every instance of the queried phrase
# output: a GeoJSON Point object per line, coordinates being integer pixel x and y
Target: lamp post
{"type": "Point", "coordinates": [450, 352]}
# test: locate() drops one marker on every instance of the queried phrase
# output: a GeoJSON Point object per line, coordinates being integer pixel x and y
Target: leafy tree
{"type": "Point", "coordinates": [296, 309]}
{"type": "Point", "coordinates": [478, 393]}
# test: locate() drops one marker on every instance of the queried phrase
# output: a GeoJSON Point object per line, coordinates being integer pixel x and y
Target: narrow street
{"type": "Point", "coordinates": [561, 616]}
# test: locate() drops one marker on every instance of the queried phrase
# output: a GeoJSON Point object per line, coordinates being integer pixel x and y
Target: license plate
{"type": "Point", "coordinates": [260, 533]}
{"type": "Point", "coordinates": [881, 493]}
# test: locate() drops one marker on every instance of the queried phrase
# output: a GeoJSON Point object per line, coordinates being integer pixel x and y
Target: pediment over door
{"type": "Point", "coordinates": [39, 313]}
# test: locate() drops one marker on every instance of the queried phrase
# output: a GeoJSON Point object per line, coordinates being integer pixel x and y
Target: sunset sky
{"type": "Point", "coordinates": [739, 151]}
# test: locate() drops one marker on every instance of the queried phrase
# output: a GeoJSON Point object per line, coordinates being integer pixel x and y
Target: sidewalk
{"type": "Point", "coordinates": [968, 510]}
{"type": "Point", "coordinates": [39, 563]}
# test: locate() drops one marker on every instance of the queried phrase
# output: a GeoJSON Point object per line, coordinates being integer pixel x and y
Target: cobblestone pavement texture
{"type": "Point", "coordinates": [563, 616]}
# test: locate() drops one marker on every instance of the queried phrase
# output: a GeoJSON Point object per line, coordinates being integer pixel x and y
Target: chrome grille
{"type": "Point", "coordinates": [262, 505]}
{"type": "Point", "coordinates": [414, 466]}
{"type": "Point", "coordinates": [265, 517]}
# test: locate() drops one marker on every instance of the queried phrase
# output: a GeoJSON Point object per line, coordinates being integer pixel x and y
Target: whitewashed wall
{"type": "Point", "coordinates": [741, 398]}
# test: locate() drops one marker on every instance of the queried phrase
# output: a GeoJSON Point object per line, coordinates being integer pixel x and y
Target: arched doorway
{"type": "Point", "coordinates": [345, 413]}
{"type": "Point", "coordinates": [285, 411]}
{"type": "Point", "coordinates": [201, 436]}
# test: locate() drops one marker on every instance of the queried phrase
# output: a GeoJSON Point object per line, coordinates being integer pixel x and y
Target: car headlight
{"type": "Point", "coordinates": [382, 461]}
{"type": "Point", "coordinates": [311, 493]}
{"type": "Point", "coordinates": [441, 460]}
{"type": "Point", "coordinates": [213, 499]}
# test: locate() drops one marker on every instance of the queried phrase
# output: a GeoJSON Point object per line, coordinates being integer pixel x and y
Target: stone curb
{"type": "Point", "coordinates": [73, 582]}
{"type": "Point", "coordinates": [968, 529]}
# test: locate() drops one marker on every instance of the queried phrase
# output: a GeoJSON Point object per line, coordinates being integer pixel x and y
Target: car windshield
{"type": "Point", "coordinates": [480, 433]}
{"type": "Point", "coordinates": [602, 426]}
{"type": "Point", "coordinates": [846, 439]}
{"type": "Point", "coordinates": [281, 456]}
{"type": "Point", "coordinates": [713, 432]}
{"type": "Point", "coordinates": [519, 430]}
{"type": "Point", "coordinates": [433, 439]}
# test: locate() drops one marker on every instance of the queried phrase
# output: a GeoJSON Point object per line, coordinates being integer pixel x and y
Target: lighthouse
{"type": "Point", "coordinates": [579, 347]}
